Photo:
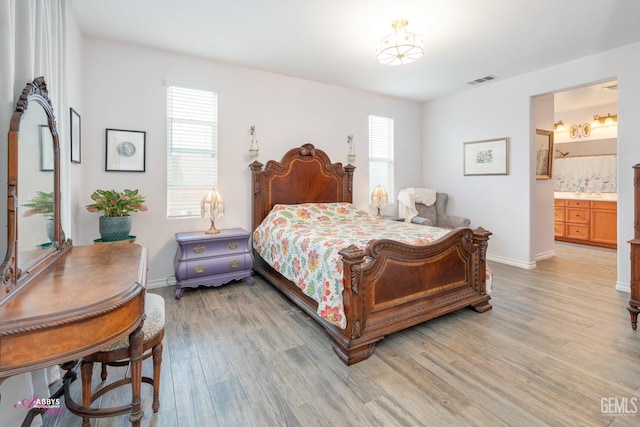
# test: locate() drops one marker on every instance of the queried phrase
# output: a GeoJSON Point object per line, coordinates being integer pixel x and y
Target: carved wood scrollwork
{"type": "Point", "coordinates": [355, 330]}
{"type": "Point", "coordinates": [307, 150]}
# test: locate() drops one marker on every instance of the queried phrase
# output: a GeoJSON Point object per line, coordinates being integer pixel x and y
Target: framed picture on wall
{"type": "Point", "coordinates": [125, 150]}
{"type": "Point", "coordinates": [544, 153]}
{"type": "Point", "coordinates": [488, 157]}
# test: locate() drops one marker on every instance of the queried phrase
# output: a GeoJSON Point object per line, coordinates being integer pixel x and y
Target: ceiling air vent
{"type": "Point", "coordinates": [611, 87]}
{"type": "Point", "coordinates": [481, 80]}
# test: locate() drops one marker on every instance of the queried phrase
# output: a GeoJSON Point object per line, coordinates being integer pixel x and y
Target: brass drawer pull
{"type": "Point", "coordinates": [232, 245]}
{"type": "Point", "coordinates": [198, 249]}
{"type": "Point", "coordinates": [199, 269]}
{"type": "Point", "coordinates": [234, 264]}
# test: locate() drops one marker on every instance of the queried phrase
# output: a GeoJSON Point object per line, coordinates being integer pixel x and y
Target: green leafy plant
{"type": "Point", "coordinates": [116, 203]}
{"type": "Point", "coordinates": [42, 203]}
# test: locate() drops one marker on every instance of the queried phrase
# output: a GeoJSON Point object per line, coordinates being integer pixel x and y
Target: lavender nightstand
{"type": "Point", "coordinates": [212, 259]}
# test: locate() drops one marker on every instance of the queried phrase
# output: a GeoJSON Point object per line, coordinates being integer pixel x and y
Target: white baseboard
{"type": "Point", "coordinates": [623, 287]}
{"type": "Point", "coordinates": [513, 262]}
{"type": "Point", "coordinates": [545, 255]}
{"type": "Point", "coordinates": [161, 283]}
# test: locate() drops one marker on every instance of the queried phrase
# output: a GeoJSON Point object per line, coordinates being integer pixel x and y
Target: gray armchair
{"type": "Point", "coordinates": [436, 216]}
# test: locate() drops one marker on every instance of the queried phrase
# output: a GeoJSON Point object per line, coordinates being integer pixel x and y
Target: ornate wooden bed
{"type": "Point", "coordinates": [388, 287]}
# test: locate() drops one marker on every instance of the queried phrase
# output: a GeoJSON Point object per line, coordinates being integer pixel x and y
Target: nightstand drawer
{"type": "Point", "coordinates": [213, 266]}
{"type": "Point", "coordinates": [206, 249]}
{"type": "Point", "coordinates": [198, 245]}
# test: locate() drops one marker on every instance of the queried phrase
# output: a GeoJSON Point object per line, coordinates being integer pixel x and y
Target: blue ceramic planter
{"type": "Point", "coordinates": [114, 228]}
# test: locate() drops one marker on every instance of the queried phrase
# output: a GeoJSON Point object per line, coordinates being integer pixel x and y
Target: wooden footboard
{"type": "Point", "coordinates": [392, 286]}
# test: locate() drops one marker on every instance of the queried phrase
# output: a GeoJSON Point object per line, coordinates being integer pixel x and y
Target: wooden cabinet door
{"type": "Point", "coordinates": [604, 223]}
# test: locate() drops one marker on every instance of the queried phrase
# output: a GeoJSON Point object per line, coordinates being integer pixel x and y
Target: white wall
{"type": "Point", "coordinates": [543, 202]}
{"type": "Point", "coordinates": [504, 204]}
{"type": "Point", "coordinates": [124, 88]}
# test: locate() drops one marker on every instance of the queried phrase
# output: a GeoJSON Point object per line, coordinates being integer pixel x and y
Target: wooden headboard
{"type": "Point", "coordinates": [305, 175]}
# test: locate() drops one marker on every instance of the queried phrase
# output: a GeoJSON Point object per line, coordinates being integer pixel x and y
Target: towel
{"type": "Point", "coordinates": [408, 197]}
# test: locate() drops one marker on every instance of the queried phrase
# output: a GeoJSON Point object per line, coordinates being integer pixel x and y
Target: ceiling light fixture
{"type": "Point", "coordinates": [401, 46]}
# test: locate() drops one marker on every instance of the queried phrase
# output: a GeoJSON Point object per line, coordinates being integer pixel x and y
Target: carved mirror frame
{"type": "Point", "coordinates": [14, 275]}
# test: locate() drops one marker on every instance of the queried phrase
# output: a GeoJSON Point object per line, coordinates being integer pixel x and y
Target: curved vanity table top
{"type": "Point", "coordinates": [89, 298]}
{"type": "Point", "coordinates": [603, 197]}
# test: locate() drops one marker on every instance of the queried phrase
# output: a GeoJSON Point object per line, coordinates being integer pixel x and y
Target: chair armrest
{"type": "Point", "coordinates": [452, 221]}
{"type": "Point", "coordinates": [420, 220]}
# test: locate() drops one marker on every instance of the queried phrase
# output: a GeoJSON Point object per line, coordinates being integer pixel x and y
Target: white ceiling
{"type": "Point", "coordinates": [334, 41]}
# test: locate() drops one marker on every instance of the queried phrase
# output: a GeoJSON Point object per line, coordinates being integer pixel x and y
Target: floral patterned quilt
{"type": "Point", "coordinates": [302, 242]}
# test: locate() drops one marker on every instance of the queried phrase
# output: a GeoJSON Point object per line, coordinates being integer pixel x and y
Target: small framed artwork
{"type": "Point", "coordinates": [125, 150]}
{"type": "Point", "coordinates": [46, 148]}
{"type": "Point", "coordinates": [488, 157]}
{"type": "Point", "coordinates": [544, 151]}
{"type": "Point", "coordinates": [573, 131]}
{"type": "Point", "coordinates": [586, 129]}
{"type": "Point", "coordinates": [76, 145]}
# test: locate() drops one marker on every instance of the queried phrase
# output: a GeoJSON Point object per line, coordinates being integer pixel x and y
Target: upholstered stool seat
{"type": "Point", "coordinates": [118, 355]}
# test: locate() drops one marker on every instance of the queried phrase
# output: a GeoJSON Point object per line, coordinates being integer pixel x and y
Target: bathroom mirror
{"type": "Point", "coordinates": [34, 236]}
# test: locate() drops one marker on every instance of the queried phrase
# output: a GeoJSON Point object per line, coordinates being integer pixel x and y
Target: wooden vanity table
{"type": "Point", "coordinates": [59, 303]}
{"type": "Point", "coordinates": [89, 298]}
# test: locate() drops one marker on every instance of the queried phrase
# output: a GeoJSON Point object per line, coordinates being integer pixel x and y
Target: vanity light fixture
{"type": "Point", "coordinates": [401, 46]}
{"type": "Point", "coordinates": [351, 151]}
{"type": "Point", "coordinates": [212, 206]}
{"type": "Point", "coordinates": [607, 121]}
{"type": "Point", "coordinates": [254, 150]}
{"type": "Point", "coordinates": [379, 199]}
{"type": "Point", "coordinates": [558, 126]}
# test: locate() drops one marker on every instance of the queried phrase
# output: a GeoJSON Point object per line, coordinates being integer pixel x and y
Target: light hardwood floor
{"type": "Point", "coordinates": [557, 344]}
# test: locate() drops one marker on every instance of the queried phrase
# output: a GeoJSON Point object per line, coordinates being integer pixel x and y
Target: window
{"type": "Point", "coordinates": [192, 149]}
{"type": "Point", "coordinates": [381, 154]}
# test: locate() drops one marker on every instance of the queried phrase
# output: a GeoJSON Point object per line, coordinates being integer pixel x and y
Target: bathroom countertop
{"type": "Point", "coordinates": [606, 197]}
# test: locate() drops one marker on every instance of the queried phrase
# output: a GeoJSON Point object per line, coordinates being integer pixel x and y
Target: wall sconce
{"type": "Point", "coordinates": [607, 121]}
{"type": "Point", "coordinates": [379, 199]}
{"type": "Point", "coordinates": [558, 126]}
{"type": "Point", "coordinates": [211, 207]}
{"type": "Point", "coordinates": [254, 150]}
{"type": "Point", "coordinates": [351, 152]}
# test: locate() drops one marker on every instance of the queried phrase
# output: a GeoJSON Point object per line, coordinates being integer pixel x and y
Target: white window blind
{"type": "Point", "coordinates": [381, 154]}
{"type": "Point", "coordinates": [192, 149]}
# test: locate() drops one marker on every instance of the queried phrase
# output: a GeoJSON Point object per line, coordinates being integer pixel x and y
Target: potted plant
{"type": "Point", "coordinates": [42, 203]}
{"type": "Point", "coordinates": [115, 222]}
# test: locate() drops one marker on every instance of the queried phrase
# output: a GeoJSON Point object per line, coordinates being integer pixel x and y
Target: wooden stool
{"type": "Point", "coordinates": [118, 355]}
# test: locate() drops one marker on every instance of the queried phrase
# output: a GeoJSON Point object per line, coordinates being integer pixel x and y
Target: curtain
{"type": "Point", "coordinates": [32, 44]}
{"type": "Point", "coordinates": [586, 174]}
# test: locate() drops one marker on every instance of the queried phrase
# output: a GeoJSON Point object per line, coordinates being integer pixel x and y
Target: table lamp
{"type": "Point", "coordinates": [379, 198]}
{"type": "Point", "coordinates": [212, 205]}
